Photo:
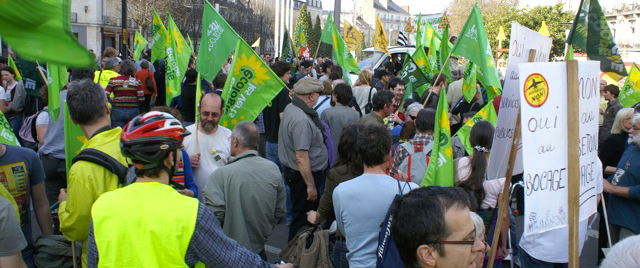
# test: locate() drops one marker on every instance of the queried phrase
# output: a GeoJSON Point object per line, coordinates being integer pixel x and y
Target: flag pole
{"type": "Point", "coordinates": [44, 78]}
{"type": "Point", "coordinates": [438, 77]}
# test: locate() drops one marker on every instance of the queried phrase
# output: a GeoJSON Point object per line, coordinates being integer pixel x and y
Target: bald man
{"type": "Point", "coordinates": [214, 141]}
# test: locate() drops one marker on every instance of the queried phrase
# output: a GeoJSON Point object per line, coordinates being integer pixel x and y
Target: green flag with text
{"type": "Point", "coordinates": [341, 52]}
{"type": "Point", "coordinates": [469, 83]}
{"type": "Point", "coordinates": [159, 37]}
{"type": "Point", "coordinates": [178, 54]}
{"type": "Point", "coordinates": [474, 45]}
{"type": "Point", "coordinates": [7, 136]}
{"type": "Point", "coordinates": [444, 55]}
{"type": "Point", "coordinates": [250, 86]}
{"type": "Point", "coordinates": [601, 44]}
{"type": "Point", "coordinates": [440, 168]}
{"type": "Point", "coordinates": [217, 42]}
{"type": "Point", "coordinates": [630, 93]}
{"type": "Point", "coordinates": [139, 43]}
{"type": "Point", "coordinates": [410, 73]}
{"type": "Point", "coordinates": [488, 113]}
{"type": "Point", "coordinates": [287, 48]}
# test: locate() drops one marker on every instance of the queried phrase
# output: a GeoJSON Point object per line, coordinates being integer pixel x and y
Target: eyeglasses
{"type": "Point", "coordinates": [465, 242]}
{"type": "Point", "coordinates": [413, 117]}
{"type": "Point", "coordinates": [207, 114]}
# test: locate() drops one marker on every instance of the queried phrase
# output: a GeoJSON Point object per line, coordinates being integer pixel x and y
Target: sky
{"type": "Point", "coordinates": [418, 6]}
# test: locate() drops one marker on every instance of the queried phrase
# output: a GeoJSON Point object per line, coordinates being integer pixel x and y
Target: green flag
{"type": "Point", "coordinates": [74, 138]}
{"type": "Point", "coordinates": [7, 136]}
{"type": "Point", "coordinates": [474, 45]}
{"type": "Point", "coordinates": [578, 34]}
{"type": "Point", "coordinates": [138, 46]}
{"type": "Point", "coordinates": [469, 89]}
{"type": "Point", "coordinates": [419, 31]}
{"type": "Point", "coordinates": [287, 48]}
{"type": "Point", "coordinates": [217, 42]}
{"type": "Point", "coordinates": [421, 59]}
{"type": "Point", "coordinates": [12, 64]}
{"type": "Point", "coordinates": [190, 43]}
{"type": "Point", "coordinates": [198, 97]}
{"type": "Point", "coordinates": [601, 45]}
{"type": "Point", "coordinates": [178, 54]}
{"type": "Point", "coordinates": [444, 55]}
{"type": "Point", "coordinates": [341, 52]}
{"type": "Point", "coordinates": [569, 53]}
{"type": "Point", "coordinates": [488, 113]}
{"type": "Point", "coordinates": [40, 30]}
{"type": "Point", "coordinates": [58, 78]}
{"type": "Point", "coordinates": [432, 57]}
{"type": "Point", "coordinates": [159, 37]}
{"type": "Point", "coordinates": [630, 93]}
{"type": "Point", "coordinates": [250, 86]}
{"type": "Point", "coordinates": [410, 73]}
{"type": "Point", "coordinates": [328, 30]}
{"type": "Point", "coordinates": [440, 168]}
{"type": "Point", "coordinates": [429, 35]}
{"type": "Point", "coordinates": [407, 94]}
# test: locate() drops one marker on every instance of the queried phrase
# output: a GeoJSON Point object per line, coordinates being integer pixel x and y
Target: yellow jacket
{"type": "Point", "coordinates": [104, 77]}
{"type": "Point", "coordinates": [5, 193]}
{"type": "Point", "coordinates": [85, 183]}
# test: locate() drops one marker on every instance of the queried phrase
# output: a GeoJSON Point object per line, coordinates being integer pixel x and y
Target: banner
{"type": "Point", "coordinates": [410, 73]}
{"type": "Point", "coordinates": [287, 54]}
{"type": "Point", "coordinates": [473, 44]}
{"type": "Point", "coordinates": [440, 168]}
{"type": "Point", "coordinates": [12, 64]}
{"type": "Point", "coordinates": [601, 45]}
{"type": "Point", "coordinates": [40, 30]}
{"type": "Point", "coordinates": [352, 36]}
{"type": "Point", "coordinates": [630, 93]}
{"type": "Point", "coordinates": [58, 78]}
{"type": "Point", "coordinates": [159, 38]}
{"type": "Point", "coordinates": [543, 90]}
{"type": "Point", "coordinates": [217, 43]}
{"type": "Point", "coordinates": [488, 113]}
{"type": "Point", "coordinates": [250, 86]}
{"type": "Point", "coordinates": [139, 44]}
{"type": "Point", "coordinates": [178, 54]}
{"type": "Point", "coordinates": [74, 138]}
{"type": "Point", "coordinates": [7, 136]}
{"type": "Point", "coordinates": [443, 59]}
{"type": "Point", "coordinates": [522, 41]}
{"type": "Point", "coordinates": [341, 53]}
{"type": "Point", "coordinates": [380, 38]}
{"type": "Point", "coordinates": [469, 88]}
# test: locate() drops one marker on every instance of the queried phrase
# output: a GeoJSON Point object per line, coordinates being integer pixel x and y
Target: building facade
{"type": "Point", "coordinates": [625, 25]}
{"type": "Point", "coordinates": [98, 24]}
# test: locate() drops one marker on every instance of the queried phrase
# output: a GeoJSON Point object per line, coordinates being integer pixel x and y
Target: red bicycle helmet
{"type": "Point", "coordinates": [148, 138]}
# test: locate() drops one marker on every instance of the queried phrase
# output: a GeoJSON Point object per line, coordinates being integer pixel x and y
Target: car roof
{"type": "Point", "coordinates": [393, 49]}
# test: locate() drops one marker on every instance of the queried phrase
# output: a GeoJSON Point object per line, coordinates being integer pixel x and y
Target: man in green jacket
{"type": "Point", "coordinates": [247, 195]}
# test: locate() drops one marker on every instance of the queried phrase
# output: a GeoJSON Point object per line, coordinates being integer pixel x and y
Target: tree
{"type": "Point", "coordinates": [304, 20]}
{"type": "Point", "coordinates": [315, 34]}
{"type": "Point", "coordinates": [555, 16]}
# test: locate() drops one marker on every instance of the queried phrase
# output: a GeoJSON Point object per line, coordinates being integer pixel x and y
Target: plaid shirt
{"type": "Point", "coordinates": [401, 152]}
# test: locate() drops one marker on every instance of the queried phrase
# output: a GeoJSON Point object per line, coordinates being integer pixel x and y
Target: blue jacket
{"type": "Point", "coordinates": [623, 211]}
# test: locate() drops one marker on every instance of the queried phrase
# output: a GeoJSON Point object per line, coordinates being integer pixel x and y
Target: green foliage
{"type": "Point", "coordinates": [531, 18]}
{"type": "Point", "coordinates": [314, 36]}
{"type": "Point", "coordinates": [304, 18]}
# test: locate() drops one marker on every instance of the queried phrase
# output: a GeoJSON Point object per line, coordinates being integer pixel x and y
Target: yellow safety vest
{"type": "Point", "coordinates": [145, 224]}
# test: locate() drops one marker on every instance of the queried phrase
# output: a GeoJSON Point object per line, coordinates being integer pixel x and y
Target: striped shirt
{"type": "Point", "coordinates": [127, 92]}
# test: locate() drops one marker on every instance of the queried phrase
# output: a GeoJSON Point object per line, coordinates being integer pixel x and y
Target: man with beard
{"type": "Point", "coordinates": [624, 189]}
{"type": "Point", "coordinates": [213, 145]}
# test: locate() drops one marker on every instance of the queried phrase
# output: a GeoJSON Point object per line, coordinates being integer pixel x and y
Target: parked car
{"type": "Point", "coordinates": [377, 59]}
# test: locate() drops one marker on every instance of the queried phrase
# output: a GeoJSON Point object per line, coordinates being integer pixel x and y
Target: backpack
{"type": "Point", "coordinates": [28, 132]}
{"type": "Point", "coordinates": [369, 106]}
{"type": "Point", "coordinates": [415, 165]}
{"type": "Point", "coordinates": [126, 175]}
{"type": "Point", "coordinates": [387, 254]}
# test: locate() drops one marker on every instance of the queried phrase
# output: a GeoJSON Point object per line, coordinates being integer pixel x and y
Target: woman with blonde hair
{"type": "Point", "coordinates": [613, 146]}
{"type": "Point", "coordinates": [363, 91]}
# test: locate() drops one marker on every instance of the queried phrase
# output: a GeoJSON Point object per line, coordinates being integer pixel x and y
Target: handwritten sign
{"type": "Point", "coordinates": [522, 41]}
{"type": "Point", "coordinates": [543, 91]}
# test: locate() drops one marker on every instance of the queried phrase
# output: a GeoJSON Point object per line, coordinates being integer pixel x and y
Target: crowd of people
{"type": "Point", "coordinates": [320, 152]}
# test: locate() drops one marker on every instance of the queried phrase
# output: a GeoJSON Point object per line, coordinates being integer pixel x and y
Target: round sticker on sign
{"type": "Point", "coordinates": [536, 90]}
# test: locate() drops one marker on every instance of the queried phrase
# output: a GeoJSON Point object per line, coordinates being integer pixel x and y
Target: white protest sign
{"type": "Point", "coordinates": [543, 91]}
{"type": "Point", "coordinates": [523, 40]}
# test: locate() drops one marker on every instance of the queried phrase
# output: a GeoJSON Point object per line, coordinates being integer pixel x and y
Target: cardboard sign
{"type": "Point", "coordinates": [522, 41]}
{"type": "Point", "coordinates": [543, 91]}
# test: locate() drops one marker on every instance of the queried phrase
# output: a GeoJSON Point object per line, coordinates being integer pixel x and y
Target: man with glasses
{"type": "Point", "coordinates": [210, 144]}
{"type": "Point", "coordinates": [432, 227]}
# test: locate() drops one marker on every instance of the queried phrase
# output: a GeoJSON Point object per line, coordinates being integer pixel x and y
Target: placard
{"type": "Point", "coordinates": [543, 95]}
{"type": "Point", "coordinates": [522, 41]}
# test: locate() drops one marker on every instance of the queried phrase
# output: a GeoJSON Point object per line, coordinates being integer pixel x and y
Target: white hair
{"type": "Point", "coordinates": [635, 118]}
{"type": "Point", "coordinates": [477, 222]}
{"type": "Point", "coordinates": [414, 107]}
{"type": "Point", "coordinates": [625, 253]}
